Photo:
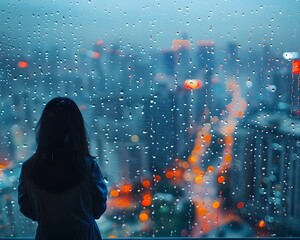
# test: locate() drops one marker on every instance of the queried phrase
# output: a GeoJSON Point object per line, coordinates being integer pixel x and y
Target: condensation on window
{"type": "Point", "coordinates": [192, 109]}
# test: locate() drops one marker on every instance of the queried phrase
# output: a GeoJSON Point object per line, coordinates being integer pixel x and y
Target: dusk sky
{"type": "Point", "coordinates": [28, 23]}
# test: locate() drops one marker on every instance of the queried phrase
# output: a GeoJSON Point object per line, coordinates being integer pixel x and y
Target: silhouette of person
{"type": "Point", "coordinates": [61, 186]}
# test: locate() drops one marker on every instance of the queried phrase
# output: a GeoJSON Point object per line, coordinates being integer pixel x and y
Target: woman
{"type": "Point", "coordinates": [61, 185]}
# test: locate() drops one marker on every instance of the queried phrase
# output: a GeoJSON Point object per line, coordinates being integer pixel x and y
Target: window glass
{"type": "Point", "coordinates": [192, 108]}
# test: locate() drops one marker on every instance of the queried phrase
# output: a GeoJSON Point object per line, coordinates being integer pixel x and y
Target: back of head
{"type": "Point", "coordinates": [61, 146]}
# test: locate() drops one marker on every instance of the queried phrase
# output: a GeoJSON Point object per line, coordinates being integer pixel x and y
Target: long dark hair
{"type": "Point", "coordinates": [59, 161]}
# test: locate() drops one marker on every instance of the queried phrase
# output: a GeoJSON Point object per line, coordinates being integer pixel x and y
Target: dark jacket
{"type": "Point", "coordinates": [67, 216]}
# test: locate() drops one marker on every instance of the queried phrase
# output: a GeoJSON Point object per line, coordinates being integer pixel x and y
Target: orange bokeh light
{"type": "Point", "coordinates": [147, 196]}
{"type": "Point", "coordinates": [126, 188]}
{"type": "Point", "coordinates": [111, 236]}
{"type": "Point", "coordinates": [261, 223]}
{"type": "Point", "coordinates": [207, 137]}
{"type": "Point", "coordinates": [202, 211]}
{"type": "Point", "coordinates": [23, 64]}
{"type": "Point", "coordinates": [215, 204]}
{"type": "Point", "coordinates": [210, 168]}
{"type": "Point", "coordinates": [228, 140]}
{"type": "Point", "coordinates": [221, 179]}
{"type": "Point", "coordinates": [185, 165]}
{"type": "Point", "coordinates": [114, 193]}
{"type": "Point", "coordinates": [240, 205]}
{"type": "Point", "coordinates": [193, 159]}
{"type": "Point", "coordinates": [157, 178]}
{"type": "Point", "coordinates": [120, 202]}
{"type": "Point", "coordinates": [228, 158]}
{"type": "Point", "coordinates": [146, 183]}
{"type": "Point", "coordinates": [198, 179]}
{"type": "Point", "coordinates": [169, 174]}
{"type": "Point", "coordinates": [95, 55]}
{"type": "Point", "coordinates": [192, 84]}
{"type": "Point", "coordinates": [146, 202]}
{"type": "Point", "coordinates": [239, 114]}
{"type": "Point", "coordinates": [144, 216]}
{"type": "Point", "coordinates": [181, 44]}
{"type": "Point", "coordinates": [198, 147]}
{"type": "Point", "coordinates": [296, 67]}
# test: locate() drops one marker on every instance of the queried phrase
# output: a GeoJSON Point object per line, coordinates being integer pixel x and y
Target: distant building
{"type": "Point", "coordinates": [160, 118]}
{"type": "Point", "coordinates": [266, 171]}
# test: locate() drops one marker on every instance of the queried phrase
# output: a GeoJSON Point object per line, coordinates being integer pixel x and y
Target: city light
{"type": "Point", "coordinates": [114, 193]}
{"type": "Point", "coordinates": [216, 204]}
{"type": "Point", "coordinates": [93, 54]}
{"type": "Point", "coordinates": [23, 64]}
{"type": "Point", "coordinates": [290, 55]}
{"type": "Point", "coordinates": [296, 67]}
{"type": "Point", "coordinates": [192, 84]}
{"type": "Point", "coordinates": [180, 44]}
{"type": "Point", "coordinates": [206, 43]}
{"type": "Point", "coordinates": [144, 216]}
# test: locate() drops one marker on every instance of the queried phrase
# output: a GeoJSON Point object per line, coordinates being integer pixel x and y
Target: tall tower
{"type": "Point", "coordinates": [160, 124]}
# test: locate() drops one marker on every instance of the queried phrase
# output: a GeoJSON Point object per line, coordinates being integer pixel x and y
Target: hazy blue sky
{"type": "Point", "coordinates": [76, 24]}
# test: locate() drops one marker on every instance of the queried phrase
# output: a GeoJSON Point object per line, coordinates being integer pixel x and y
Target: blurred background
{"type": "Point", "coordinates": [192, 109]}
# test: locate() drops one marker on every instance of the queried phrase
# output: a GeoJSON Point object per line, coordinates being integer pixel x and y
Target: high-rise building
{"type": "Point", "coordinates": [265, 172]}
{"type": "Point", "coordinates": [160, 117]}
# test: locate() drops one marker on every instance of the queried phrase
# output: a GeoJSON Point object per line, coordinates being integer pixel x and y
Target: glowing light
{"type": "Point", "coordinates": [169, 174]}
{"type": "Point", "coordinates": [228, 140]}
{"type": "Point", "coordinates": [290, 55]}
{"type": "Point", "coordinates": [111, 236]}
{"type": "Point", "coordinates": [203, 211]}
{"type": "Point", "coordinates": [180, 44]}
{"type": "Point", "coordinates": [239, 114]}
{"type": "Point", "coordinates": [228, 158]}
{"type": "Point", "coordinates": [93, 54]}
{"type": "Point", "coordinates": [146, 183]}
{"type": "Point", "coordinates": [120, 202]}
{"type": "Point", "coordinates": [197, 147]}
{"type": "Point", "coordinates": [146, 202]}
{"type": "Point", "coordinates": [144, 217]}
{"type": "Point", "coordinates": [114, 193]}
{"type": "Point", "coordinates": [215, 204]}
{"type": "Point", "coordinates": [205, 43]}
{"type": "Point", "coordinates": [198, 179]}
{"type": "Point", "coordinates": [207, 138]}
{"type": "Point", "coordinates": [157, 178]}
{"type": "Point", "coordinates": [126, 188]}
{"type": "Point", "coordinates": [296, 67]}
{"type": "Point", "coordinates": [261, 223]}
{"type": "Point", "coordinates": [210, 168]}
{"type": "Point", "coordinates": [177, 173]}
{"type": "Point", "coordinates": [135, 138]}
{"type": "Point", "coordinates": [147, 196]}
{"type": "Point", "coordinates": [192, 84]}
{"type": "Point", "coordinates": [240, 205]}
{"type": "Point", "coordinates": [193, 159]}
{"type": "Point", "coordinates": [23, 64]}
{"type": "Point", "coordinates": [196, 169]}
{"type": "Point", "coordinates": [221, 179]}
{"type": "Point", "coordinates": [185, 165]}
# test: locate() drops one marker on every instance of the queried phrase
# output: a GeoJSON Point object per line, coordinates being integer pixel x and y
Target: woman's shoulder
{"type": "Point", "coordinates": [91, 161]}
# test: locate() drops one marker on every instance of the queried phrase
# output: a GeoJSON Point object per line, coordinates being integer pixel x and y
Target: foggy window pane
{"type": "Point", "coordinates": [192, 109]}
